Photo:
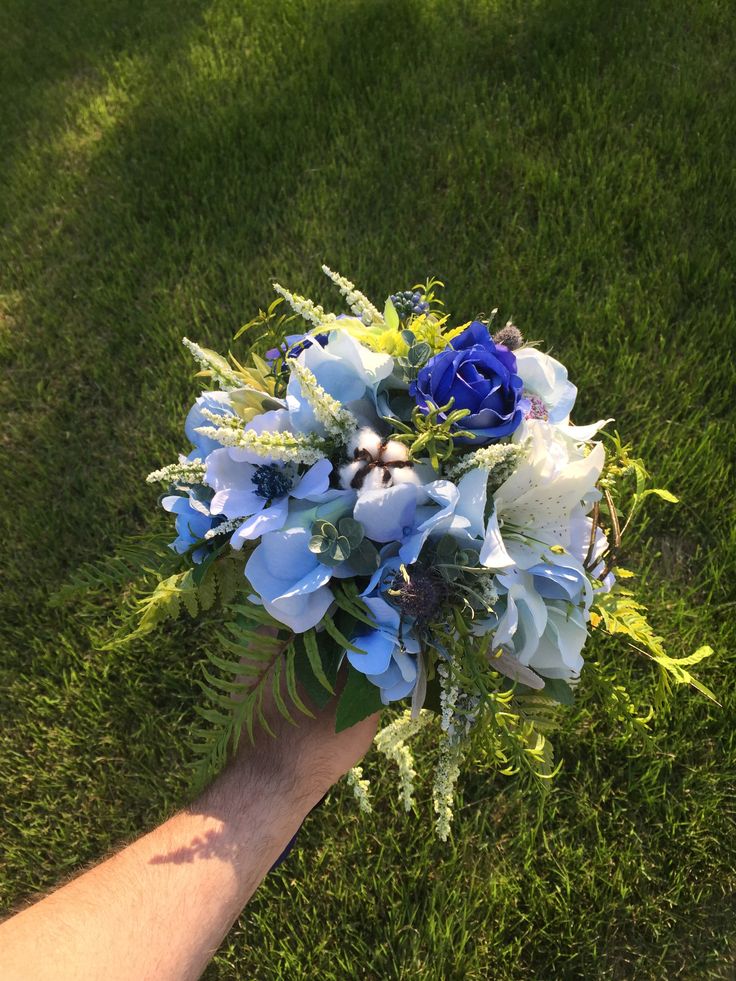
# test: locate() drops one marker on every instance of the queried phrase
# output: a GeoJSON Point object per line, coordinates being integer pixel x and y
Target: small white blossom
{"type": "Point", "coordinates": [391, 742]}
{"type": "Point", "coordinates": [183, 472]}
{"type": "Point", "coordinates": [312, 312]}
{"type": "Point", "coordinates": [500, 460]}
{"type": "Point", "coordinates": [220, 370]}
{"type": "Point", "coordinates": [359, 304]}
{"type": "Point", "coordinates": [336, 419]}
{"type": "Point", "coordinates": [224, 528]}
{"type": "Point", "coordinates": [361, 789]}
{"type": "Point", "coordinates": [285, 447]}
{"type": "Point", "coordinates": [445, 780]}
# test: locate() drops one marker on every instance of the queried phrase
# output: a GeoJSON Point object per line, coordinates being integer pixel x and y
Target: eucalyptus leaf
{"type": "Point", "coordinates": [419, 353]}
{"type": "Point", "coordinates": [352, 530]}
{"type": "Point", "coordinates": [340, 550]}
{"type": "Point", "coordinates": [324, 529]}
{"type": "Point", "coordinates": [446, 548]}
{"type": "Point", "coordinates": [364, 559]}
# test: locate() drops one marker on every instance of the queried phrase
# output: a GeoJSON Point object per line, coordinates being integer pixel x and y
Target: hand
{"type": "Point", "coordinates": [310, 754]}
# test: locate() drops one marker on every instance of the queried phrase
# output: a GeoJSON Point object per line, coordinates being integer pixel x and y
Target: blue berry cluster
{"type": "Point", "coordinates": [407, 303]}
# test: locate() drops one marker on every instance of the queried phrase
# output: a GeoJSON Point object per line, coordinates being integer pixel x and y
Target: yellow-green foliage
{"type": "Point", "coordinates": [620, 613]}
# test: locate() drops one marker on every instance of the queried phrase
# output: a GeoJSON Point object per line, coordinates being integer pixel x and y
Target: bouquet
{"type": "Point", "coordinates": [406, 500]}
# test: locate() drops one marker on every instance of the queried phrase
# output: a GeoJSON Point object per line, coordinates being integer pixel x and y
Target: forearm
{"type": "Point", "coordinates": [161, 907]}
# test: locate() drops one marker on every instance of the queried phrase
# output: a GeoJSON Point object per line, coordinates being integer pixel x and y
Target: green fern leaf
{"type": "Point", "coordinates": [309, 640]}
{"type": "Point", "coordinates": [622, 614]}
{"type": "Point", "coordinates": [135, 559]}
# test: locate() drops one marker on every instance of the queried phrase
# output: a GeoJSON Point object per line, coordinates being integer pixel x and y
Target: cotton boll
{"type": "Point", "coordinates": [405, 475]}
{"type": "Point", "coordinates": [394, 452]}
{"type": "Point", "coordinates": [348, 472]}
{"type": "Point", "coordinates": [365, 439]}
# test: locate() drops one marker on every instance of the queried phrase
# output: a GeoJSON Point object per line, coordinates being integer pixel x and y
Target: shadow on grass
{"type": "Point", "coordinates": [233, 150]}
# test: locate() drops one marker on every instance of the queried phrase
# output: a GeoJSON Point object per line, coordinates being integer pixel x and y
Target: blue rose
{"type": "Point", "coordinates": [479, 375]}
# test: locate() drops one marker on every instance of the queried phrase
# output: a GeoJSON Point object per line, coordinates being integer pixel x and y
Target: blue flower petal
{"type": "Point", "coordinates": [378, 647]}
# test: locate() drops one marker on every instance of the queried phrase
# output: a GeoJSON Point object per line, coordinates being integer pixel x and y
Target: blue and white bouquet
{"type": "Point", "coordinates": [406, 500]}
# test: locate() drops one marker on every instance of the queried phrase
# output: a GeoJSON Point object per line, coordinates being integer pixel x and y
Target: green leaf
{"type": "Point", "coordinates": [340, 550]}
{"type": "Point", "coordinates": [360, 698]}
{"type": "Point", "coordinates": [559, 690]}
{"type": "Point", "coordinates": [390, 315]}
{"type": "Point", "coordinates": [446, 548]}
{"type": "Point", "coordinates": [324, 529]}
{"type": "Point", "coordinates": [419, 353]}
{"type": "Point", "coordinates": [364, 559]}
{"type": "Point", "coordinates": [312, 648]}
{"type": "Point", "coordinates": [339, 638]}
{"type": "Point", "coordinates": [353, 606]}
{"type": "Point", "coordinates": [660, 492]}
{"type": "Point", "coordinates": [319, 545]}
{"type": "Point", "coordinates": [352, 530]}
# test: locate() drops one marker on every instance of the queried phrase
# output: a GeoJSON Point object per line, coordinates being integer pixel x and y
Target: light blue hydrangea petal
{"type": "Point", "coordinates": [265, 521]}
{"type": "Point", "coordinates": [406, 664]}
{"type": "Point", "coordinates": [386, 679]}
{"type": "Point", "coordinates": [471, 504]}
{"type": "Point", "coordinates": [387, 514]}
{"type": "Point", "coordinates": [378, 647]}
{"type": "Point", "coordinates": [287, 555]}
{"type": "Point", "coordinates": [282, 566]}
{"type": "Point", "coordinates": [301, 613]}
{"type": "Point", "coordinates": [217, 402]}
{"type": "Point", "coordinates": [232, 481]}
{"type": "Point", "coordinates": [382, 613]}
{"type": "Point", "coordinates": [237, 503]}
{"type": "Point", "coordinates": [546, 377]}
{"type": "Point", "coordinates": [430, 521]}
{"type": "Point", "coordinates": [558, 582]}
{"type": "Point", "coordinates": [316, 481]}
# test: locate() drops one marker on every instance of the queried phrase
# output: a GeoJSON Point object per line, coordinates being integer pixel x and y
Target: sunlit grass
{"type": "Point", "coordinates": [571, 163]}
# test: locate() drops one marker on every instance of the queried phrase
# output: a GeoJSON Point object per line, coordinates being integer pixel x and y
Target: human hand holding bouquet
{"type": "Point", "coordinates": [409, 499]}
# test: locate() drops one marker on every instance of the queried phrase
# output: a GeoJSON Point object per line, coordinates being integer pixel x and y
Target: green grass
{"type": "Point", "coordinates": [570, 162]}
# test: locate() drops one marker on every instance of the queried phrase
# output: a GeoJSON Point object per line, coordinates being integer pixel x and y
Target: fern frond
{"type": "Point", "coordinates": [620, 613]}
{"type": "Point", "coordinates": [251, 666]}
{"type": "Point", "coordinates": [137, 558]}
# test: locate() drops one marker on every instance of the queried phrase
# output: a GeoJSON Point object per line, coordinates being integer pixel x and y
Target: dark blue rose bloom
{"type": "Point", "coordinates": [480, 376]}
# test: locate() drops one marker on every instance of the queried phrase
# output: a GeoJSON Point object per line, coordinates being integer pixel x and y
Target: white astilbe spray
{"type": "Point", "coordinates": [360, 305]}
{"type": "Point", "coordinates": [448, 697]}
{"type": "Point", "coordinates": [445, 780]}
{"type": "Point", "coordinates": [222, 373]}
{"type": "Point", "coordinates": [311, 312]}
{"type": "Point", "coordinates": [459, 713]}
{"type": "Point", "coordinates": [183, 472]}
{"type": "Point", "coordinates": [337, 420]}
{"type": "Point", "coordinates": [361, 789]}
{"type": "Point", "coordinates": [282, 446]}
{"type": "Point", "coordinates": [391, 741]}
{"type": "Point", "coordinates": [225, 528]}
{"type": "Point", "coordinates": [499, 460]}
